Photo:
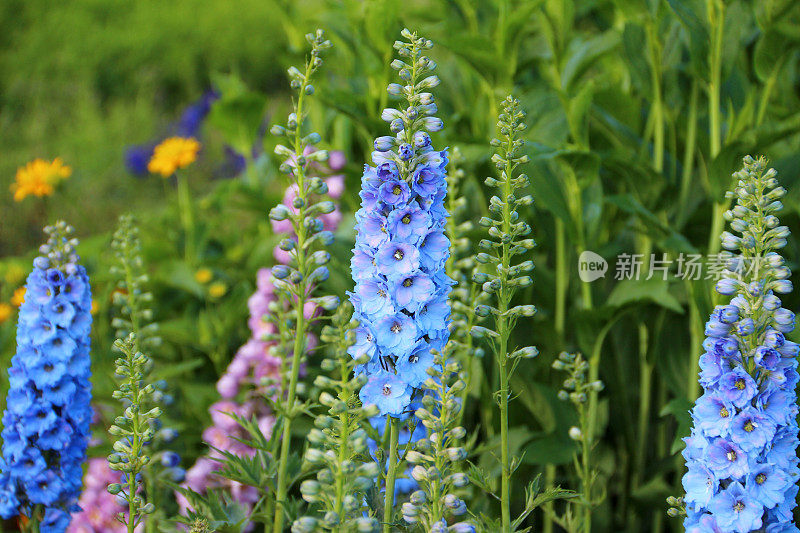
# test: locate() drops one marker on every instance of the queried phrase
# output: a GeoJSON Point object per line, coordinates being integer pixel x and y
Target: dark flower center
{"type": "Point", "coordinates": [396, 190]}
{"type": "Point", "coordinates": [408, 282]}
{"type": "Point", "coordinates": [413, 358]}
{"type": "Point", "coordinates": [398, 254]}
{"type": "Point", "coordinates": [761, 478]}
{"type": "Point", "coordinates": [406, 219]}
{"type": "Point", "coordinates": [723, 413]}
{"type": "Point", "coordinates": [48, 367]}
{"type": "Point", "coordinates": [731, 455]}
{"type": "Point", "coordinates": [749, 426]}
{"type": "Point", "coordinates": [740, 384]}
{"type": "Point", "coordinates": [738, 506]}
{"type": "Point", "coordinates": [396, 328]}
{"type": "Point", "coordinates": [387, 390]}
{"type": "Point", "coordinates": [381, 293]}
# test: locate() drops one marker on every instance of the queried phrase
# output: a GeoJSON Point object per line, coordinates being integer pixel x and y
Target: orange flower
{"type": "Point", "coordinates": [172, 154]}
{"type": "Point", "coordinates": [5, 312]}
{"type": "Point", "coordinates": [39, 178]}
{"type": "Point", "coordinates": [19, 297]}
{"type": "Point", "coordinates": [203, 275]}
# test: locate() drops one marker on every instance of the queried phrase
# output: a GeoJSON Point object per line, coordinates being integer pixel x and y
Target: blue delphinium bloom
{"type": "Point", "coordinates": [46, 422]}
{"type": "Point", "coordinates": [741, 455]}
{"type": "Point", "coordinates": [400, 297]}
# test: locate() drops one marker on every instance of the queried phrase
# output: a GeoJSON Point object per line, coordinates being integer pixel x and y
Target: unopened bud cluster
{"type": "Point", "coordinates": [502, 276]}
{"type": "Point", "coordinates": [338, 444]}
{"type": "Point", "coordinates": [438, 458]}
{"type": "Point", "coordinates": [137, 427]}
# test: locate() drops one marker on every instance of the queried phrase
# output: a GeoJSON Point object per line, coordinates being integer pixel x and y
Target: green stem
{"type": "Point", "coordinates": [187, 219]}
{"type": "Point", "coordinates": [503, 332]}
{"type": "Point", "coordinates": [645, 382]}
{"type": "Point", "coordinates": [391, 474]}
{"type": "Point", "coordinates": [716, 16]}
{"type": "Point", "coordinates": [657, 108]}
{"type": "Point", "coordinates": [586, 475]}
{"type": "Point", "coordinates": [688, 154]}
{"type": "Point", "coordinates": [562, 281]}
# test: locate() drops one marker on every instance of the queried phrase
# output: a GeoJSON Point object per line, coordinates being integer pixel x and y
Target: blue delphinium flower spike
{"type": "Point", "coordinates": [46, 422]}
{"type": "Point", "coordinates": [741, 456]}
{"type": "Point", "coordinates": [401, 291]}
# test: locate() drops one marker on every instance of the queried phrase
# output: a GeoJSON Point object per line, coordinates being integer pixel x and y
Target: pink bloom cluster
{"type": "Point", "coordinates": [241, 386]}
{"type": "Point", "coordinates": [99, 507]}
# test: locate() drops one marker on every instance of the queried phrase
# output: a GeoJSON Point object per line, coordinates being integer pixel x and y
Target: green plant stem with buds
{"type": "Point", "coordinates": [302, 288]}
{"type": "Point", "coordinates": [504, 331]}
{"type": "Point", "coordinates": [393, 427]}
{"type": "Point", "coordinates": [504, 278]}
{"type": "Point", "coordinates": [133, 428]}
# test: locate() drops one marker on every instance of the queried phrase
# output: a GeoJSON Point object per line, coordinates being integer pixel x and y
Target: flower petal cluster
{"type": "Point", "coordinates": [398, 264]}
{"type": "Point", "coordinates": [39, 178]}
{"type": "Point", "coordinates": [188, 125]}
{"type": "Point", "coordinates": [741, 455]}
{"type": "Point", "coordinates": [46, 422]}
{"type": "Point", "coordinates": [99, 507]}
{"type": "Point", "coordinates": [172, 154]}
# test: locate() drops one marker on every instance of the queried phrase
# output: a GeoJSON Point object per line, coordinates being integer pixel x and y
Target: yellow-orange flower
{"type": "Point", "coordinates": [5, 312]}
{"type": "Point", "coordinates": [19, 297]}
{"type": "Point", "coordinates": [172, 154]}
{"type": "Point", "coordinates": [203, 275]}
{"type": "Point", "coordinates": [217, 289]}
{"type": "Point", "coordinates": [39, 178]}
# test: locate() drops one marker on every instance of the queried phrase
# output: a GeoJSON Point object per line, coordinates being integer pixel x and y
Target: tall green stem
{"type": "Point", "coordinates": [391, 474]}
{"type": "Point", "coordinates": [688, 154]}
{"type": "Point", "coordinates": [657, 108]}
{"type": "Point", "coordinates": [187, 218]}
{"type": "Point", "coordinates": [716, 16]}
{"type": "Point", "coordinates": [502, 354]}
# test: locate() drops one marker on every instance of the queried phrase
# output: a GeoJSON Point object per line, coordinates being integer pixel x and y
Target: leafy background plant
{"type": "Point", "coordinates": [638, 112]}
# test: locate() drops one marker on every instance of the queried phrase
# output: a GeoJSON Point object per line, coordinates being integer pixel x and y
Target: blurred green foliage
{"type": "Point", "coordinates": [630, 154]}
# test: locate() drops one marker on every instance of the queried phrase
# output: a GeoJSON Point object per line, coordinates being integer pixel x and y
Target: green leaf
{"type": "Point", "coordinates": [697, 34]}
{"type": "Point", "coordinates": [582, 54]}
{"type": "Point", "coordinates": [238, 114]}
{"type": "Point", "coordinates": [655, 290]}
{"type": "Point", "coordinates": [550, 448]}
{"type": "Point", "coordinates": [771, 50]}
{"type": "Point", "coordinates": [634, 43]}
{"type": "Point", "coordinates": [680, 408]}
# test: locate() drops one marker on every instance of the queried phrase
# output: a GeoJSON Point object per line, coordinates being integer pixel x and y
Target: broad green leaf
{"type": "Point", "coordinates": [582, 54]}
{"type": "Point", "coordinates": [655, 290]}
{"type": "Point", "coordinates": [696, 32]}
